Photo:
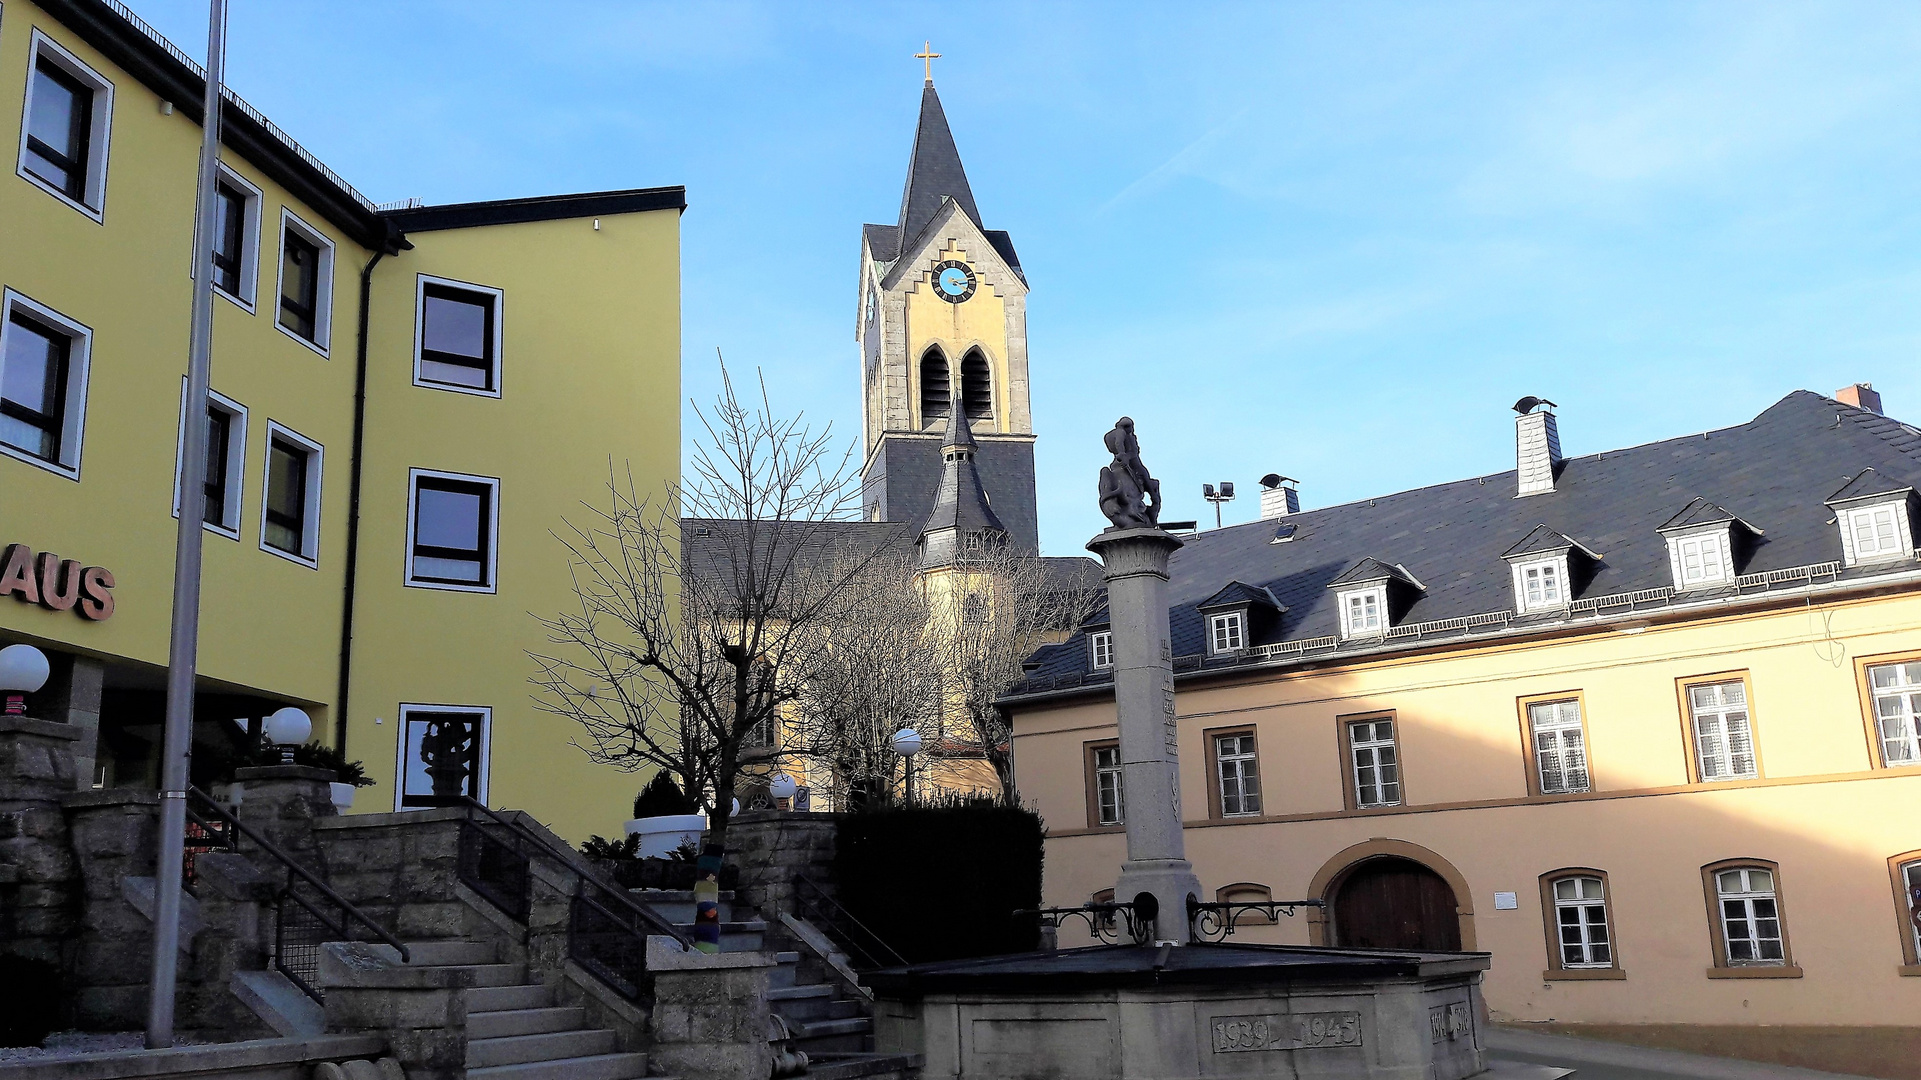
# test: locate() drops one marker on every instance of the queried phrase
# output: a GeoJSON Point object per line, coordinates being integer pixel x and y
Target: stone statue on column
{"type": "Point", "coordinates": [1135, 552]}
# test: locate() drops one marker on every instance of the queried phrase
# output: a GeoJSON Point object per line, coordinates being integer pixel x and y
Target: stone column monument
{"type": "Point", "coordinates": [1135, 550]}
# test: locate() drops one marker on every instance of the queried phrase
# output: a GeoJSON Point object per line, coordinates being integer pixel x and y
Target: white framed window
{"type": "Point", "coordinates": [1580, 913]}
{"type": "Point", "coordinates": [1560, 755]}
{"type": "Point", "coordinates": [290, 499]}
{"type": "Point", "coordinates": [226, 460]}
{"type": "Point", "coordinates": [1750, 917]}
{"type": "Point", "coordinates": [1910, 877]}
{"type": "Point", "coordinates": [236, 239]}
{"type": "Point", "coordinates": [1878, 533]}
{"type": "Point", "coordinates": [1100, 644]}
{"type": "Point", "coordinates": [44, 359]}
{"type": "Point", "coordinates": [1897, 711]}
{"type": "Point", "coordinates": [1227, 632]}
{"type": "Point", "coordinates": [1700, 560]}
{"type": "Point", "coordinates": [1240, 774]}
{"type": "Point", "coordinates": [1363, 612]}
{"type": "Point", "coordinates": [443, 756]}
{"type": "Point", "coordinates": [64, 128]}
{"type": "Point", "coordinates": [1723, 731]}
{"type": "Point", "coordinates": [1110, 798]}
{"type": "Point", "coordinates": [453, 524]}
{"type": "Point", "coordinates": [1376, 763]}
{"type": "Point", "coordinates": [457, 336]}
{"type": "Point", "coordinates": [1540, 586]}
{"type": "Point", "coordinates": [306, 283]}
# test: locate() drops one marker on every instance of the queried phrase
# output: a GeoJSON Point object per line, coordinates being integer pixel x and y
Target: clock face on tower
{"type": "Point", "coordinates": [953, 281]}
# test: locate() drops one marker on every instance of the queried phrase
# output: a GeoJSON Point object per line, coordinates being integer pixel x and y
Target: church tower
{"type": "Point", "coordinates": [943, 318]}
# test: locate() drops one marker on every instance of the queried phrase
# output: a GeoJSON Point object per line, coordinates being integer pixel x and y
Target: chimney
{"type": "Point", "coordinates": [1279, 497]}
{"type": "Point", "coordinates": [1861, 395]}
{"type": "Point", "coordinates": [1537, 445]}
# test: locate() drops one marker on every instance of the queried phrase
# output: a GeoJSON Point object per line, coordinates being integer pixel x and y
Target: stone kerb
{"type": "Point", "coordinates": [38, 875]}
{"type": "Point", "coordinates": [710, 1016]}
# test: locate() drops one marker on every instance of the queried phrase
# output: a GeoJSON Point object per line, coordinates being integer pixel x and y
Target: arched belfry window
{"type": "Point", "coordinates": [935, 388]}
{"type": "Point", "coordinates": [977, 386]}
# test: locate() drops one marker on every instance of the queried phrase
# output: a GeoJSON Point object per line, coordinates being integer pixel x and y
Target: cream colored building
{"type": "Point", "coordinates": [1641, 724]}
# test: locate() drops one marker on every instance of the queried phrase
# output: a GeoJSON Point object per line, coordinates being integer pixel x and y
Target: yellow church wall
{"type": "Point", "coordinates": [1819, 810]}
{"type": "Point", "coordinates": [980, 321]}
{"type": "Point", "coordinates": [590, 382]}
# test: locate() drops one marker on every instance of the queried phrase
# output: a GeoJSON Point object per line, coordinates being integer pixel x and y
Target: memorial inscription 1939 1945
{"type": "Point", "coordinates": [1285, 1031]}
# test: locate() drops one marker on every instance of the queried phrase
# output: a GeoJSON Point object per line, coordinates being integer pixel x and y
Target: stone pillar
{"type": "Point", "coordinates": [710, 1013]}
{"type": "Point", "coordinates": [72, 697]}
{"type": "Point", "coordinates": [114, 838]}
{"type": "Point", "coordinates": [39, 880]}
{"type": "Point", "coordinates": [1136, 573]}
{"type": "Point", "coordinates": [421, 1011]}
{"type": "Point", "coordinates": [281, 803]}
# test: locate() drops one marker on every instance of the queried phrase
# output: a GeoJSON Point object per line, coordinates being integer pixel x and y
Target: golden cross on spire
{"type": "Point", "coordinates": [928, 54]}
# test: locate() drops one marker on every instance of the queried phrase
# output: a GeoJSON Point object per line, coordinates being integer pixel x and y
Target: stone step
{"type": "Point", "coordinates": [792, 993]}
{"type": "Point", "coordinates": [800, 1005]}
{"type": "Point", "coordinates": [450, 952]}
{"type": "Point", "coordinates": [499, 998]}
{"type": "Point", "coordinates": [847, 1008]}
{"type": "Point", "coordinates": [787, 957]}
{"type": "Point", "coordinates": [550, 1046]}
{"type": "Point", "coordinates": [502, 1023]}
{"type": "Point", "coordinates": [832, 1066]}
{"type": "Point", "coordinates": [848, 1036]}
{"type": "Point", "coordinates": [743, 936]}
{"type": "Point", "coordinates": [677, 905]}
{"type": "Point", "coordinates": [486, 974]}
{"type": "Point", "coordinates": [853, 1025]}
{"type": "Point", "coordinates": [598, 1067]}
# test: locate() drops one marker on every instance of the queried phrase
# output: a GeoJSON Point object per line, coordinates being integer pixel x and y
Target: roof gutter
{"type": "Point", "coordinates": [1626, 622]}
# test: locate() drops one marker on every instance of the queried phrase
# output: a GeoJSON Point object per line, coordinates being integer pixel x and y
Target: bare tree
{"type": "Point", "coordinates": [697, 604]}
{"type": "Point", "coordinates": [876, 666]}
{"type": "Point", "coordinates": [994, 608]}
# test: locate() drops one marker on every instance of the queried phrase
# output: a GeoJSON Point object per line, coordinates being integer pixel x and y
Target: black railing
{"type": "Point", "coordinates": [1217, 921]}
{"type": "Point", "coordinates": [607, 929]}
{"type": "Point", "coordinates": [307, 912]}
{"type": "Point", "coordinates": [864, 948]}
{"type": "Point", "coordinates": [1108, 921]}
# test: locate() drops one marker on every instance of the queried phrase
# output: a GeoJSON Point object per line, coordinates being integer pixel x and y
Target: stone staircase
{"type": "Point", "coordinates": [515, 1029]}
{"type": "Point", "coordinates": [827, 1022]}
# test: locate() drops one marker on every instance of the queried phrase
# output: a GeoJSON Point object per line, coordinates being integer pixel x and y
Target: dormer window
{"type": "Point", "coordinates": [1101, 645]}
{"type": "Point", "coordinates": [1549, 569]}
{"type": "Point", "coordinates": [1706, 544]}
{"type": "Point", "coordinates": [1541, 587]}
{"type": "Point", "coordinates": [1701, 560]}
{"type": "Point", "coordinates": [1873, 515]}
{"type": "Point", "coordinates": [1361, 612]}
{"type": "Point", "coordinates": [1227, 632]}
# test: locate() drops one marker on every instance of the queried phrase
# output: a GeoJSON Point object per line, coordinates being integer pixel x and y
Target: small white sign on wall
{"type": "Point", "coordinates": [1505, 901]}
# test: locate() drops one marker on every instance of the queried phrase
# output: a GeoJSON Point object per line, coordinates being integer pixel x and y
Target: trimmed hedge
{"type": "Point", "coordinates": [942, 881]}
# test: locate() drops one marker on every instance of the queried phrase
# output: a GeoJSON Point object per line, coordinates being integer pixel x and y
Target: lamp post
{"type": "Point", "coordinates": [906, 742]}
{"type": "Point", "coordinates": [23, 671]}
{"type": "Point", "coordinates": [782, 789]}
{"type": "Point", "coordinates": [287, 728]}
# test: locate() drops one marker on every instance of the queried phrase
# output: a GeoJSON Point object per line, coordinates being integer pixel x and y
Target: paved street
{"type": "Point", "coordinates": [1594, 1060]}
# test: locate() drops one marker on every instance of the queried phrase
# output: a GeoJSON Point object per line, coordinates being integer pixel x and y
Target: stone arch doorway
{"type": "Point", "coordinates": [1391, 894]}
{"type": "Point", "coordinates": [1394, 903]}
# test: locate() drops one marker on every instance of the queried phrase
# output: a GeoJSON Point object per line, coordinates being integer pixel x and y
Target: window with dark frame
{"type": "Point", "coordinates": [452, 522]}
{"type": "Point", "coordinates": [1110, 797]}
{"type": "Point", "coordinates": [299, 284]}
{"type": "Point", "coordinates": [230, 238]}
{"type": "Point", "coordinates": [1238, 768]}
{"type": "Point", "coordinates": [219, 437]}
{"type": "Point", "coordinates": [457, 337]}
{"type": "Point", "coordinates": [1910, 878]}
{"type": "Point", "coordinates": [33, 386]}
{"type": "Point", "coordinates": [59, 129]}
{"type": "Point", "coordinates": [1376, 763]}
{"type": "Point", "coordinates": [442, 759]}
{"type": "Point", "coordinates": [286, 527]}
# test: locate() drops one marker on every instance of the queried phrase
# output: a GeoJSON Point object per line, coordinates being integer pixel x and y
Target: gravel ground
{"type": "Point", "coordinates": [64, 1044]}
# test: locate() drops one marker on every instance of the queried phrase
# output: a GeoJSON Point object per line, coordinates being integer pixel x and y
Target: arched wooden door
{"type": "Point", "coordinates": [1393, 903]}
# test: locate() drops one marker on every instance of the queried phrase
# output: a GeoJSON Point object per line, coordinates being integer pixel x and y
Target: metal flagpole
{"type": "Point", "coordinates": [185, 647]}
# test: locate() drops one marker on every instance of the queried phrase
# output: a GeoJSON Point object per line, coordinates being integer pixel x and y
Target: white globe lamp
{"type": "Point", "coordinates": [287, 728]}
{"type": "Point", "coordinates": [782, 789]}
{"type": "Point", "coordinates": [23, 671]}
{"type": "Point", "coordinates": [906, 742]}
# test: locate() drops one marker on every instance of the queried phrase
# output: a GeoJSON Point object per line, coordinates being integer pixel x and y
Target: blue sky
{"type": "Point", "coordinates": [1333, 240]}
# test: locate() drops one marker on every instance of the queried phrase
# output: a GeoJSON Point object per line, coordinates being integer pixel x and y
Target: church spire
{"type": "Point", "coordinates": [934, 172]}
{"type": "Point", "coordinates": [962, 518]}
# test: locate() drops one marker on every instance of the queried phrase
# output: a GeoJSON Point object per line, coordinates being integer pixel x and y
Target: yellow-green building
{"type": "Point", "coordinates": [408, 403]}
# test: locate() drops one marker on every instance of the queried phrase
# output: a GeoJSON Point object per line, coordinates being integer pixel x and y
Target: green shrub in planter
{"type": "Point", "coordinates": [942, 881]}
{"type": "Point", "coordinates": [662, 797]}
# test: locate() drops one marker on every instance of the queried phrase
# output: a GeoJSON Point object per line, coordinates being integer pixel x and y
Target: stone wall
{"type": "Point", "coordinates": [114, 838]}
{"type": "Point", "coordinates": [772, 848]}
{"type": "Point", "coordinates": [39, 880]}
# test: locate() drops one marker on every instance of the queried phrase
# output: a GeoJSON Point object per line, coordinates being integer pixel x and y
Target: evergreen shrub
{"type": "Point", "coordinates": [662, 797]}
{"type": "Point", "coordinates": [942, 880]}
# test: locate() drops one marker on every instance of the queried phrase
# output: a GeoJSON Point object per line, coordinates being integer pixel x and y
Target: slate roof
{"type": "Point", "coordinates": [1866, 486]}
{"type": "Point", "coordinates": [1236, 594]}
{"type": "Point", "coordinates": [934, 174]}
{"type": "Point", "coordinates": [1775, 472]}
{"type": "Point", "coordinates": [709, 546]}
{"type": "Point", "coordinates": [960, 503]}
{"type": "Point", "coordinates": [1373, 569]}
{"type": "Point", "coordinates": [1544, 540]}
{"type": "Point", "coordinates": [1700, 512]}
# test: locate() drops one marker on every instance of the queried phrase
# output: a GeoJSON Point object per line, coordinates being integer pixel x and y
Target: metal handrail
{"type": "Point", "coordinates": [566, 858]}
{"type": "Point", "coordinates": [834, 915]}
{"type": "Point", "coordinates": [346, 906]}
